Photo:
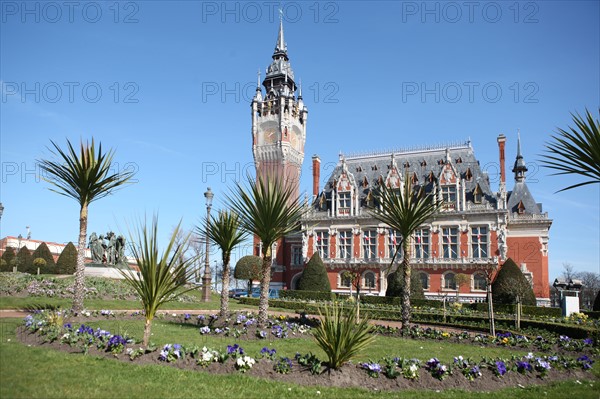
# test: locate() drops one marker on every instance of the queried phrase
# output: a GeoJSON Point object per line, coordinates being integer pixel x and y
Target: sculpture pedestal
{"type": "Point", "coordinates": [101, 270]}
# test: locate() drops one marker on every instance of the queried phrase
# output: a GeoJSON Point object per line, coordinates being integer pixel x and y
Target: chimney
{"type": "Point", "coordinates": [501, 143]}
{"type": "Point", "coordinates": [316, 169]}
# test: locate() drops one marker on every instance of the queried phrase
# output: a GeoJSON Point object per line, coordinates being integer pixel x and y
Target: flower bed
{"type": "Point", "coordinates": [387, 373]}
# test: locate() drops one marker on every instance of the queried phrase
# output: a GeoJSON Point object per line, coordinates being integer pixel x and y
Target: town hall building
{"type": "Point", "coordinates": [476, 230]}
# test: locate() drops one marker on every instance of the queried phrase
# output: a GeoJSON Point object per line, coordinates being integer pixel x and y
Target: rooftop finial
{"type": "Point", "coordinates": [519, 144]}
{"type": "Point", "coordinates": [300, 89]}
{"type": "Point", "coordinates": [280, 46]}
{"type": "Point", "coordinates": [258, 80]}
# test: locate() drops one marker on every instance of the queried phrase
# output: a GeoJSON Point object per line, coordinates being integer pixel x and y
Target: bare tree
{"type": "Point", "coordinates": [591, 286]}
{"type": "Point", "coordinates": [193, 248]}
{"type": "Point", "coordinates": [461, 280]}
{"type": "Point", "coordinates": [568, 272]}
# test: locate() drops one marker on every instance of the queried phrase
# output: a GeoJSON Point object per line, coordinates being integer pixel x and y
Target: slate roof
{"type": "Point", "coordinates": [520, 193]}
{"type": "Point", "coordinates": [422, 163]}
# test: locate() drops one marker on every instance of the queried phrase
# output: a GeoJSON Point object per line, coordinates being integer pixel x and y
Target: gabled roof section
{"type": "Point", "coordinates": [424, 164]}
{"type": "Point", "coordinates": [520, 200]}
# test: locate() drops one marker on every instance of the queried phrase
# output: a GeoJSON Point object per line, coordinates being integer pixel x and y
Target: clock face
{"type": "Point", "coordinates": [270, 132]}
{"type": "Point", "coordinates": [296, 139]}
{"type": "Point", "coordinates": [270, 136]}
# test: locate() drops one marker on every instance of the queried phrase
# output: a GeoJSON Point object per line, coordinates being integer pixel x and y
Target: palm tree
{"type": "Point", "coordinates": [404, 210]}
{"type": "Point", "coordinates": [160, 277]}
{"type": "Point", "coordinates": [85, 177]}
{"type": "Point", "coordinates": [269, 210]}
{"type": "Point", "coordinates": [576, 151]}
{"type": "Point", "coordinates": [226, 233]}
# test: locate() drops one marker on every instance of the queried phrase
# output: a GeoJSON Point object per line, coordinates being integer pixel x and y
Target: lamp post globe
{"type": "Point", "coordinates": [206, 278]}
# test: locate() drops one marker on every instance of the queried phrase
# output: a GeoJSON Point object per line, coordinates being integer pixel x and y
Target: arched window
{"type": "Point", "coordinates": [369, 280]}
{"type": "Point", "coordinates": [449, 281]}
{"type": "Point", "coordinates": [479, 282]}
{"type": "Point", "coordinates": [344, 280]}
{"type": "Point", "coordinates": [295, 280]}
{"type": "Point", "coordinates": [424, 277]}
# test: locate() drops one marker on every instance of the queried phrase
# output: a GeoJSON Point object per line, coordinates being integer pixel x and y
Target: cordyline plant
{"type": "Point", "coordinates": [404, 210]}
{"type": "Point", "coordinates": [576, 151]}
{"type": "Point", "coordinates": [340, 335]}
{"type": "Point", "coordinates": [86, 177]}
{"type": "Point", "coordinates": [226, 233]}
{"type": "Point", "coordinates": [269, 210]}
{"type": "Point", "coordinates": [161, 276]}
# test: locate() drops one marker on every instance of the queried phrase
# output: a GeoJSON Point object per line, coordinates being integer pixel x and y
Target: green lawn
{"type": "Point", "coordinates": [30, 372]}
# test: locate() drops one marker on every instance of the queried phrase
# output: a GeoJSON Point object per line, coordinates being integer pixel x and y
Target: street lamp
{"type": "Point", "coordinates": [206, 279]}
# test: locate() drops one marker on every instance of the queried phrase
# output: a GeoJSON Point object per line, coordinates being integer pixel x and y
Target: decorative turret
{"type": "Point", "coordinates": [520, 168]}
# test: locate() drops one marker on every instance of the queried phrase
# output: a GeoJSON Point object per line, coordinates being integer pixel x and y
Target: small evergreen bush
{"type": "Point", "coordinates": [314, 277]}
{"type": "Point", "coordinates": [67, 261]}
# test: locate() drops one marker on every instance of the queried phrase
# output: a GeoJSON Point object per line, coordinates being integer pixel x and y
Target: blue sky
{"type": "Point", "coordinates": [168, 85]}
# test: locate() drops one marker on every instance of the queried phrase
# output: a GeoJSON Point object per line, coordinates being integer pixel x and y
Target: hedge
{"type": "Point", "coordinates": [591, 314]}
{"type": "Point", "coordinates": [307, 295]}
{"type": "Point", "coordinates": [453, 320]}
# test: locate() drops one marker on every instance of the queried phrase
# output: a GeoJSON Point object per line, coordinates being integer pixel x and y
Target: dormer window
{"type": "Point", "coordinates": [344, 203]}
{"type": "Point", "coordinates": [459, 160]}
{"type": "Point", "coordinates": [477, 195]}
{"type": "Point", "coordinates": [415, 179]}
{"type": "Point", "coordinates": [423, 163]}
{"type": "Point", "coordinates": [521, 208]}
{"type": "Point", "coordinates": [431, 177]}
{"type": "Point", "coordinates": [374, 167]}
{"type": "Point", "coordinates": [449, 196]}
{"type": "Point", "coordinates": [469, 174]}
{"type": "Point", "coordinates": [406, 165]}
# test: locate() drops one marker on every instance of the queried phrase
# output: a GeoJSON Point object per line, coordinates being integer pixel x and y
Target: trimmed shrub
{"type": "Point", "coordinates": [453, 320]}
{"type": "Point", "coordinates": [306, 295]}
{"type": "Point", "coordinates": [314, 277]}
{"type": "Point", "coordinates": [43, 252]}
{"type": "Point", "coordinates": [24, 261]}
{"type": "Point", "coordinates": [7, 256]}
{"type": "Point", "coordinates": [510, 283]}
{"type": "Point", "coordinates": [67, 261]}
{"type": "Point", "coordinates": [394, 288]}
{"type": "Point", "coordinates": [39, 263]}
{"type": "Point", "coordinates": [248, 268]}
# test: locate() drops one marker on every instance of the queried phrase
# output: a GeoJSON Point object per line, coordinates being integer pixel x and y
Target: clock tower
{"type": "Point", "coordinates": [279, 121]}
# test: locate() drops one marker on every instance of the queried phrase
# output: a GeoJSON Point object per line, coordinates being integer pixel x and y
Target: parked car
{"type": "Point", "coordinates": [238, 292]}
{"type": "Point", "coordinates": [273, 293]}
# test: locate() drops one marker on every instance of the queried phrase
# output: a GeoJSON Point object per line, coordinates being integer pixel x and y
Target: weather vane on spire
{"type": "Point", "coordinates": [280, 15]}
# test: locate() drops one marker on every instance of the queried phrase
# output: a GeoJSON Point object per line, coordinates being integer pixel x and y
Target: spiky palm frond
{"type": "Point", "coordinates": [269, 210]}
{"type": "Point", "coordinates": [85, 176]}
{"type": "Point", "coordinates": [161, 275]}
{"type": "Point", "coordinates": [406, 209]}
{"type": "Point", "coordinates": [266, 208]}
{"type": "Point", "coordinates": [340, 336]}
{"type": "Point", "coordinates": [576, 151]}
{"type": "Point", "coordinates": [225, 231]}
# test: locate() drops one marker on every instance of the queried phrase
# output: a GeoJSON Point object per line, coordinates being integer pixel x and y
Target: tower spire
{"type": "Point", "coordinates": [258, 80]}
{"type": "Point", "coordinates": [280, 46]}
{"type": "Point", "coordinates": [520, 168]}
